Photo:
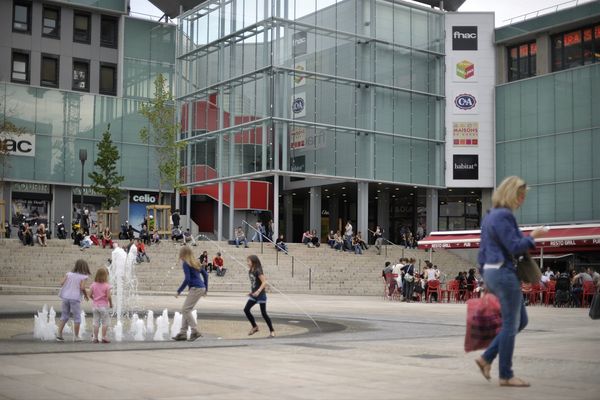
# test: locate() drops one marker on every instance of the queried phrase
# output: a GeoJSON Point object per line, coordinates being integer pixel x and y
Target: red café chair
{"type": "Point", "coordinates": [536, 294]}
{"type": "Point", "coordinates": [452, 290]}
{"type": "Point", "coordinates": [588, 292]}
{"type": "Point", "coordinates": [433, 287]}
{"type": "Point", "coordinates": [550, 292]}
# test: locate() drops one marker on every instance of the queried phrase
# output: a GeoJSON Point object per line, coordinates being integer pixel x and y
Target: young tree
{"type": "Point", "coordinates": [105, 176]}
{"type": "Point", "coordinates": [160, 112]}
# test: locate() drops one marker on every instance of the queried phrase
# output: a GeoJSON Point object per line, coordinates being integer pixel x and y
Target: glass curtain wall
{"type": "Point", "coordinates": [548, 132]}
{"type": "Point", "coordinates": [346, 88]}
{"type": "Point", "coordinates": [64, 122]}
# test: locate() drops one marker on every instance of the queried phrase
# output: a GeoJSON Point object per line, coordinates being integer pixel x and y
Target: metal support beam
{"type": "Point", "coordinates": [315, 209]}
{"type": "Point", "coordinates": [362, 209]}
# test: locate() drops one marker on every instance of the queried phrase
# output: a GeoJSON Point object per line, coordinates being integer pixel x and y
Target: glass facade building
{"type": "Point", "coordinates": [351, 89]}
{"type": "Point", "coordinates": [548, 132]}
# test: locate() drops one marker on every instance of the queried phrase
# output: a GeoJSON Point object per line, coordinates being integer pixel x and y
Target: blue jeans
{"type": "Point", "coordinates": [503, 282]}
{"type": "Point", "coordinates": [357, 249]}
{"type": "Point", "coordinates": [241, 240]}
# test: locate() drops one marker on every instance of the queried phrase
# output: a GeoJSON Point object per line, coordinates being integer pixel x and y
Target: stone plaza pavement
{"type": "Point", "coordinates": [368, 349]}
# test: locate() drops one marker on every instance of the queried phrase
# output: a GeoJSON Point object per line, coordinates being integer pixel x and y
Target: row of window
{"type": "Point", "coordinates": [569, 49]}
{"type": "Point", "coordinates": [576, 48]}
{"type": "Point", "coordinates": [49, 74]}
{"type": "Point", "coordinates": [82, 24]}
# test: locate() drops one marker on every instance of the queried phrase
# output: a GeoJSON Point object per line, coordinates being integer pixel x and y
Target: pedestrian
{"type": "Point", "coordinates": [101, 302]}
{"type": "Point", "coordinates": [501, 240]}
{"type": "Point", "coordinates": [72, 288]}
{"type": "Point", "coordinates": [378, 236]}
{"type": "Point", "coordinates": [258, 283]}
{"type": "Point", "coordinates": [196, 278]}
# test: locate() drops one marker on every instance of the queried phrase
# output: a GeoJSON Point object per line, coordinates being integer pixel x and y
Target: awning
{"type": "Point", "coordinates": [560, 238]}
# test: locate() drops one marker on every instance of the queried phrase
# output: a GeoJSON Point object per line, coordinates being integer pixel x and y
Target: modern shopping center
{"type": "Point", "coordinates": [312, 113]}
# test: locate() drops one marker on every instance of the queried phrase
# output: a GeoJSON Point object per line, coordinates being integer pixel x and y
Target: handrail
{"type": "Point", "coordinates": [537, 13]}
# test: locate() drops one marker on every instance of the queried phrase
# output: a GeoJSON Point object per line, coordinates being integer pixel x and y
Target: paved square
{"type": "Point", "coordinates": [370, 349]}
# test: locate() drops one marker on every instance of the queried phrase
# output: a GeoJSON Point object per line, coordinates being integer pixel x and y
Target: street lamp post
{"type": "Point", "coordinates": [82, 158]}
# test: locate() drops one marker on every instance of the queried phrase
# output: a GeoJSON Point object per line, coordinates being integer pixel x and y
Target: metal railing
{"type": "Point", "coordinates": [264, 237]}
{"type": "Point", "coordinates": [544, 11]}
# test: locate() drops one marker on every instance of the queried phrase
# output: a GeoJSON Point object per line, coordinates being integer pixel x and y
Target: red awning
{"type": "Point", "coordinates": [559, 239]}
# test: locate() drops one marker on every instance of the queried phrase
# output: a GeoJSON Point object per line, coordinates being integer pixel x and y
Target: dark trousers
{"type": "Point", "coordinates": [263, 311]}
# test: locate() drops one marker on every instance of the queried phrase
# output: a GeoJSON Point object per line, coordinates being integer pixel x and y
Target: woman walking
{"type": "Point", "coordinates": [501, 240]}
{"type": "Point", "coordinates": [198, 287]}
{"type": "Point", "coordinates": [258, 283]}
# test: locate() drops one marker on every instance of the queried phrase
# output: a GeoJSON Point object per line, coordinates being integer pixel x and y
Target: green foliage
{"type": "Point", "coordinates": [160, 113]}
{"type": "Point", "coordinates": [105, 176]}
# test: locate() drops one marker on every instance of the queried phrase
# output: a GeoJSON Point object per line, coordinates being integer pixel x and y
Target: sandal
{"type": "Point", "coordinates": [253, 331]}
{"type": "Point", "coordinates": [514, 382]}
{"type": "Point", "coordinates": [484, 367]}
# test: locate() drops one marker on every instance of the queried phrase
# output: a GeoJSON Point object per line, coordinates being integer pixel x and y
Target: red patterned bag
{"type": "Point", "coordinates": [483, 322]}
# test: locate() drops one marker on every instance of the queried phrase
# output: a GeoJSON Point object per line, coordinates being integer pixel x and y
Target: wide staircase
{"type": "Point", "coordinates": [304, 270]}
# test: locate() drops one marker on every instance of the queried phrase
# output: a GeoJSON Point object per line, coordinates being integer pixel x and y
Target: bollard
{"type": "Point", "coordinates": [276, 256]}
{"type": "Point", "coordinates": [386, 250]}
{"type": "Point", "coordinates": [310, 279]}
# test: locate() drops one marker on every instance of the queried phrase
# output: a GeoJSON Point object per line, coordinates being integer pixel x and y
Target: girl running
{"type": "Point", "coordinates": [258, 283]}
{"type": "Point", "coordinates": [198, 287]}
{"type": "Point", "coordinates": [72, 287]}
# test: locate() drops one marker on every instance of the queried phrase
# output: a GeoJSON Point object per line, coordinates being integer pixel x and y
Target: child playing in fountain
{"type": "Point", "coordinates": [258, 283]}
{"type": "Point", "coordinates": [192, 270]}
{"type": "Point", "coordinates": [72, 288]}
{"type": "Point", "coordinates": [102, 301]}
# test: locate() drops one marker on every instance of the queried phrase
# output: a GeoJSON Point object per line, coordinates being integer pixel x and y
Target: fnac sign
{"type": "Point", "coordinates": [17, 144]}
{"type": "Point", "coordinates": [143, 197]}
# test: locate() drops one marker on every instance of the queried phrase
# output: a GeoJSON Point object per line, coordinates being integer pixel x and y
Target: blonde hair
{"type": "Point", "coordinates": [508, 192]}
{"type": "Point", "coordinates": [101, 275]}
{"type": "Point", "coordinates": [187, 256]}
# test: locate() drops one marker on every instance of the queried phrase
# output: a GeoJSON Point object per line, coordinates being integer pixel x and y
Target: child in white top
{"type": "Point", "coordinates": [72, 287]}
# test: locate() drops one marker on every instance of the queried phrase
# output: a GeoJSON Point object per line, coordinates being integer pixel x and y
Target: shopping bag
{"type": "Point", "coordinates": [484, 321]}
{"type": "Point", "coordinates": [528, 270]}
{"type": "Point", "coordinates": [595, 307]}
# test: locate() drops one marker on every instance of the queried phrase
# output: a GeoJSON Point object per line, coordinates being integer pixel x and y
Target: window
{"type": "Point", "coordinates": [49, 70]}
{"type": "Point", "coordinates": [108, 79]}
{"type": "Point", "coordinates": [81, 76]}
{"type": "Point", "coordinates": [51, 22]}
{"type": "Point", "coordinates": [20, 67]}
{"type": "Point", "coordinates": [576, 48]}
{"type": "Point", "coordinates": [22, 16]}
{"type": "Point", "coordinates": [522, 61]}
{"type": "Point", "coordinates": [109, 28]}
{"type": "Point", "coordinates": [81, 27]}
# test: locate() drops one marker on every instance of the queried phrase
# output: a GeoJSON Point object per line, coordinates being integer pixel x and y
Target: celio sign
{"type": "Point", "coordinates": [18, 144]}
{"type": "Point", "coordinates": [141, 197]}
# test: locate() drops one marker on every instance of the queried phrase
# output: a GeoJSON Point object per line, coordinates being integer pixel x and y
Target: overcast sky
{"type": "Point", "coordinates": [504, 9]}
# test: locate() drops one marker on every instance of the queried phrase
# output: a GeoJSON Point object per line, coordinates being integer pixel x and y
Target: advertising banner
{"type": "Point", "coordinates": [297, 79]}
{"type": "Point", "coordinates": [298, 105]}
{"type": "Point", "coordinates": [19, 145]}
{"type": "Point", "coordinates": [138, 201]}
{"type": "Point", "coordinates": [29, 211]}
{"type": "Point", "coordinates": [469, 117]}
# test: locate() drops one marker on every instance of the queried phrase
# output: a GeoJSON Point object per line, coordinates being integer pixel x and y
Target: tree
{"type": "Point", "coordinates": [105, 177]}
{"type": "Point", "coordinates": [160, 112]}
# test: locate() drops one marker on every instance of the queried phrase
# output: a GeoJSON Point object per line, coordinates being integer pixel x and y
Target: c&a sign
{"type": "Point", "coordinates": [18, 145]}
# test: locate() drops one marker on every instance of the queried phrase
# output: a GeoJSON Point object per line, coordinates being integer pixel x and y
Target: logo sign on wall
{"type": "Point", "coordinates": [297, 138]}
{"type": "Point", "coordinates": [465, 69]}
{"type": "Point", "coordinates": [466, 103]}
{"type": "Point", "coordinates": [465, 166]}
{"type": "Point", "coordinates": [299, 43]}
{"type": "Point", "coordinates": [465, 134]}
{"type": "Point", "coordinates": [298, 164]}
{"type": "Point", "coordinates": [18, 145]}
{"type": "Point", "coordinates": [464, 38]}
{"type": "Point", "coordinates": [143, 197]}
{"type": "Point", "coordinates": [299, 105]}
{"type": "Point", "coordinates": [297, 79]}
